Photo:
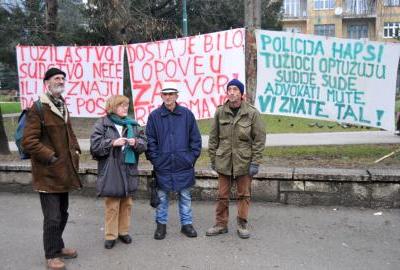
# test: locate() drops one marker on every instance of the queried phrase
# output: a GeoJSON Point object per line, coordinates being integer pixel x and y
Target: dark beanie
{"type": "Point", "coordinates": [238, 84]}
{"type": "Point", "coordinates": [51, 72]}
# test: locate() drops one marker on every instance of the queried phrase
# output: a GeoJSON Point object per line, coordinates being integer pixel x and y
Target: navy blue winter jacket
{"type": "Point", "coordinates": [174, 144]}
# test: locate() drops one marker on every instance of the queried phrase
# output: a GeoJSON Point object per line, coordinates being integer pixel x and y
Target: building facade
{"type": "Point", "coordinates": [377, 20]}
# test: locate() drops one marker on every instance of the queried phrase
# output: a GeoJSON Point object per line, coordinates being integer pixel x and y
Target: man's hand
{"type": "Point", "coordinates": [253, 170]}
{"type": "Point", "coordinates": [119, 142]}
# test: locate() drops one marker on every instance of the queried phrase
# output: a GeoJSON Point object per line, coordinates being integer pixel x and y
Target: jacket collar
{"type": "Point", "coordinates": [165, 111]}
{"type": "Point", "coordinates": [107, 121]}
{"type": "Point", "coordinates": [45, 100]}
{"type": "Point", "coordinates": [243, 110]}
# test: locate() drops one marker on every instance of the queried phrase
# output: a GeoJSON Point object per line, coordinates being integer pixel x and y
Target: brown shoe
{"type": "Point", "coordinates": [243, 230]}
{"type": "Point", "coordinates": [215, 230]}
{"type": "Point", "coordinates": [68, 253]}
{"type": "Point", "coordinates": [55, 264]}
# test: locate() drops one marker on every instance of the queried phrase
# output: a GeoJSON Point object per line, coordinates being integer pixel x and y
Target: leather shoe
{"type": "Point", "coordinates": [127, 239]}
{"type": "Point", "coordinates": [216, 229]}
{"type": "Point", "coordinates": [160, 232]}
{"type": "Point", "coordinates": [188, 230]}
{"type": "Point", "coordinates": [109, 244]}
{"type": "Point", "coordinates": [68, 253]}
{"type": "Point", "coordinates": [55, 264]}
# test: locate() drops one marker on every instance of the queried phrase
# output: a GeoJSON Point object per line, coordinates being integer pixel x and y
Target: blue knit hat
{"type": "Point", "coordinates": [238, 84]}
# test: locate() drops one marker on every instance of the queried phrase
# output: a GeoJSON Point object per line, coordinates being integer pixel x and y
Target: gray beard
{"type": "Point", "coordinates": [58, 90]}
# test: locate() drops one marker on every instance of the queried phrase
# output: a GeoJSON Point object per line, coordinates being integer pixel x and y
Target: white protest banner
{"type": "Point", "coordinates": [201, 65]}
{"type": "Point", "coordinates": [94, 73]}
{"type": "Point", "coordinates": [344, 80]}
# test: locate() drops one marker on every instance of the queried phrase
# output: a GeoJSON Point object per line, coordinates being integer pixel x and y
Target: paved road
{"type": "Point", "coordinates": [284, 237]}
{"type": "Point", "coordinates": [290, 139]}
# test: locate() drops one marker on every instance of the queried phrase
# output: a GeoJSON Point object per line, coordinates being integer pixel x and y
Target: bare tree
{"type": "Point", "coordinates": [124, 21]}
{"type": "Point", "coordinates": [51, 20]}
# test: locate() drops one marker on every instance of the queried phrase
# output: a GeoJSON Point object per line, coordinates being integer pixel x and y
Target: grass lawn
{"type": "Point", "coordinates": [10, 107]}
{"type": "Point", "coordinates": [287, 124]}
{"type": "Point", "coordinates": [342, 156]}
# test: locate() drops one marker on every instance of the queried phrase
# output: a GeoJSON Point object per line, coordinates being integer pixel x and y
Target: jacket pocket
{"type": "Point", "coordinates": [243, 158]}
{"type": "Point", "coordinates": [162, 161]}
{"type": "Point", "coordinates": [225, 128]}
{"type": "Point", "coordinates": [223, 159]}
{"type": "Point", "coordinates": [186, 159]}
{"type": "Point", "coordinates": [244, 131]}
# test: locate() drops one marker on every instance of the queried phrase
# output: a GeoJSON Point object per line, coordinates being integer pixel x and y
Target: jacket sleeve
{"type": "Point", "coordinates": [195, 137]}
{"type": "Point", "coordinates": [100, 145]}
{"type": "Point", "coordinates": [141, 141]}
{"type": "Point", "coordinates": [31, 140]}
{"type": "Point", "coordinates": [152, 142]}
{"type": "Point", "coordinates": [258, 135]}
{"type": "Point", "coordinates": [213, 141]}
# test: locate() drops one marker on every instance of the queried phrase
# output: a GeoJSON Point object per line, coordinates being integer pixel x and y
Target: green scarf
{"type": "Point", "coordinates": [129, 123]}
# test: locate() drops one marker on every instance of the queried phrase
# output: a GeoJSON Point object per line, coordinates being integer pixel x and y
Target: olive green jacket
{"type": "Point", "coordinates": [235, 142]}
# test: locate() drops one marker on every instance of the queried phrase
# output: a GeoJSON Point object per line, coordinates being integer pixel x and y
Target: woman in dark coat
{"type": "Point", "coordinates": [116, 143]}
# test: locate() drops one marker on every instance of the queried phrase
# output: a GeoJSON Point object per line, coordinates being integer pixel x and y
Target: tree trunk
{"type": "Point", "coordinates": [252, 9]}
{"type": "Point", "coordinates": [51, 19]}
{"type": "Point", "coordinates": [4, 149]}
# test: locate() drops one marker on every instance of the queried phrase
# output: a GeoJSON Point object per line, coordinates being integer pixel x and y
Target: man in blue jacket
{"type": "Point", "coordinates": [174, 144]}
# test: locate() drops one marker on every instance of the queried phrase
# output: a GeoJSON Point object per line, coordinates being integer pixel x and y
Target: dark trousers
{"type": "Point", "coordinates": [55, 216]}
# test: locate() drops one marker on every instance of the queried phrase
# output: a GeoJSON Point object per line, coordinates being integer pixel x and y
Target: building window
{"type": "Point", "coordinates": [391, 29]}
{"type": "Point", "coordinates": [324, 4]}
{"type": "Point", "coordinates": [292, 29]}
{"type": "Point", "coordinates": [359, 7]}
{"type": "Point", "coordinates": [324, 30]}
{"type": "Point", "coordinates": [392, 3]}
{"type": "Point", "coordinates": [357, 31]}
{"type": "Point", "coordinates": [292, 8]}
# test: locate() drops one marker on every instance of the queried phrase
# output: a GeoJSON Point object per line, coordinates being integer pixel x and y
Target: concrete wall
{"type": "Point", "coordinates": [300, 186]}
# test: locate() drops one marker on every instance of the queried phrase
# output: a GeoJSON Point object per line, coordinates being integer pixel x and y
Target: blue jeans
{"type": "Point", "coordinates": [184, 203]}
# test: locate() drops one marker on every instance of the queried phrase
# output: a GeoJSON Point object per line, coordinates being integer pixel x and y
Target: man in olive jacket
{"type": "Point", "coordinates": [54, 154]}
{"type": "Point", "coordinates": [236, 145]}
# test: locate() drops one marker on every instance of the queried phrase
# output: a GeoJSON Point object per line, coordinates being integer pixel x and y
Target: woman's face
{"type": "Point", "coordinates": [122, 110]}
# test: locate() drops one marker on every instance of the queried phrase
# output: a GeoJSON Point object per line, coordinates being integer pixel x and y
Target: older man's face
{"type": "Point", "coordinates": [234, 94]}
{"type": "Point", "coordinates": [56, 84]}
{"type": "Point", "coordinates": [169, 98]}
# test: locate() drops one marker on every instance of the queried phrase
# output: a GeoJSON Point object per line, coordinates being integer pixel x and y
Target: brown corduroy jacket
{"type": "Point", "coordinates": [55, 138]}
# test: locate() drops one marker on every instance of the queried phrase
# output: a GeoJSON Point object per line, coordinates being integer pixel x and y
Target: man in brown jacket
{"type": "Point", "coordinates": [236, 145]}
{"type": "Point", "coordinates": [54, 152]}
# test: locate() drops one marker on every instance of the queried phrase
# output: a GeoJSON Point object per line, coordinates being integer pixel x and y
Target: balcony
{"type": "Point", "coordinates": [358, 9]}
{"type": "Point", "coordinates": [301, 15]}
{"type": "Point", "coordinates": [294, 10]}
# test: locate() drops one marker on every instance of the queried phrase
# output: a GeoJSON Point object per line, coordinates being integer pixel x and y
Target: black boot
{"type": "Point", "coordinates": [109, 244]}
{"type": "Point", "coordinates": [160, 232]}
{"type": "Point", "coordinates": [188, 230]}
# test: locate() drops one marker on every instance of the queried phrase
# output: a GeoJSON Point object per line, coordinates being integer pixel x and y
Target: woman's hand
{"type": "Point", "coordinates": [119, 142]}
{"type": "Point", "coordinates": [131, 141]}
